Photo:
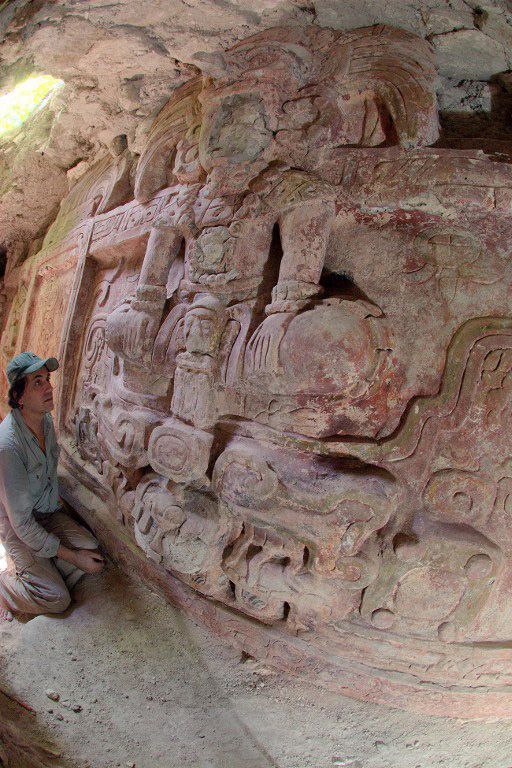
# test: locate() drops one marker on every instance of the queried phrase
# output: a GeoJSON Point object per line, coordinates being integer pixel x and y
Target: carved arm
{"type": "Point", "coordinates": [132, 328]}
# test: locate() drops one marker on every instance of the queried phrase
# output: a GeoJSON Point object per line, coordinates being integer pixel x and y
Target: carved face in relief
{"type": "Point", "coordinates": [211, 251]}
{"type": "Point", "coordinates": [235, 138]}
{"type": "Point", "coordinates": [203, 325]}
{"type": "Point", "coordinates": [199, 327]}
{"type": "Point", "coordinates": [236, 130]}
{"type": "Point", "coordinates": [241, 107]}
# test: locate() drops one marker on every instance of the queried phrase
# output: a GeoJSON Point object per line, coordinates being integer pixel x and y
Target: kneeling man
{"type": "Point", "coordinates": [49, 550]}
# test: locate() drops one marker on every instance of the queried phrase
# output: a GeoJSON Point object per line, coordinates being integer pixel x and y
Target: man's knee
{"type": "Point", "coordinates": [49, 597]}
{"type": "Point", "coordinates": [58, 601]}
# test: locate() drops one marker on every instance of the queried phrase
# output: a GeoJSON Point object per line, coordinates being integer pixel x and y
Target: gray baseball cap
{"type": "Point", "coordinates": [27, 362]}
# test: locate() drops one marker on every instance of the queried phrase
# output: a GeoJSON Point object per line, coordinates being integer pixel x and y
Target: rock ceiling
{"type": "Point", "coordinates": [121, 61]}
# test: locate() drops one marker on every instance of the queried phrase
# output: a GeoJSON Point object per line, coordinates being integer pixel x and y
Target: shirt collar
{"type": "Point", "coordinates": [20, 421]}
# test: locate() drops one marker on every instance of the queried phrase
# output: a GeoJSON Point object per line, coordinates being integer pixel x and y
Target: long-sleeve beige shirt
{"type": "Point", "coordinates": [28, 482]}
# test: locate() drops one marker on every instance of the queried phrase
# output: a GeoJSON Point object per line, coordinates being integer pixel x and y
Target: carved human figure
{"type": "Point", "coordinates": [246, 159]}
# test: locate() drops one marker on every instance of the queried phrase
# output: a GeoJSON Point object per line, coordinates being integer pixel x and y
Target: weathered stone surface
{"type": "Point", "coordinates": [496, 24]}
{"type": "Point", "coordinates": [468, 97]}
{"type": "Point", "coordinates": [447, 17]}
{"type": "Point", "coordinates": [286, 342]}
{"type": "Point", "coordinates": [469, 54]}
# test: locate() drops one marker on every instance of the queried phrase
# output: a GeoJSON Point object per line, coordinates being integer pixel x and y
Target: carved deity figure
{"type": "Point", "coordinates": [251, 149]}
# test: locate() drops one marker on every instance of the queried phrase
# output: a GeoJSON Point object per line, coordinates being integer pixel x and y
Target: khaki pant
{"type": "Point", "coordinates": [42, 584]}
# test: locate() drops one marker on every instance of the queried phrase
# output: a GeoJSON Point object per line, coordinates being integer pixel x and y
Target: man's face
{"type": "Point", "coordinates": [38, 393]}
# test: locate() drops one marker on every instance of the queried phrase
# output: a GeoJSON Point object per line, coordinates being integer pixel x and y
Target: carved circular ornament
{"type": "Point", "coordinates": [428, 594]}
{"type": "Point", "coordinates": [447, 248]}
{"type": "Point", "coordinates": [179, 452]}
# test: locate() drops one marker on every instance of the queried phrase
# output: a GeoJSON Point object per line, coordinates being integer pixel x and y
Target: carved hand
{"type": "Point", "coordinates": [140, 332]}
{"type": "Point", "coordinates": [131, 330]}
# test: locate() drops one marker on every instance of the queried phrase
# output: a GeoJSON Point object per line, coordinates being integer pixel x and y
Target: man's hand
{"type": "Point", "coordinates": [87, 560]}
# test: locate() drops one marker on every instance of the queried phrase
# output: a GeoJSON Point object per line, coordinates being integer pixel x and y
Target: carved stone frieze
{"type": "Point", "coordinates": [287, 365]}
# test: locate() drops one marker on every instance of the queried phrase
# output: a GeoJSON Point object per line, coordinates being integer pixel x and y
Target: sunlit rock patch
{"type": "Point", "coordinates": [17, 105]}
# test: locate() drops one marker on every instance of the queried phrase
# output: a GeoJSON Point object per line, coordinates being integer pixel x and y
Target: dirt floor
{"type": "Point", "coordinates": [140, 685]}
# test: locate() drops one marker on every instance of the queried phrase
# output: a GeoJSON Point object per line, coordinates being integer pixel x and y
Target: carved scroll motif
{"type": "Point", "coordinates": [123, 435]}
{"type": "Point", "coordinates": [183, 531]}
{"type": "Point", "coordinates": [294, 547]}
{"type": "Point", "coordinates": [451, 257]}
{"type": "Point", "coordinates": [444, 578]}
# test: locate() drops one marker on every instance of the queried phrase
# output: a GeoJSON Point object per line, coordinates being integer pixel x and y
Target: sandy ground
{"type": "Point", "coordinates": [154, 690]}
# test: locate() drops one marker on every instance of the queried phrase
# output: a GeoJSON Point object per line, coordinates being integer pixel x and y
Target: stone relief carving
{"type": "Point", "coordinates": [288, 362]}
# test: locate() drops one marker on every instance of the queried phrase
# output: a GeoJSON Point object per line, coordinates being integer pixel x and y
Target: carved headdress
{"type": "Point", "coordinates": [306, 90]}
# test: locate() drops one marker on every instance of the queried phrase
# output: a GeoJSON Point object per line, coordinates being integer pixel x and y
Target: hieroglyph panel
{"type": "Point", "coordinates": [287, 364]}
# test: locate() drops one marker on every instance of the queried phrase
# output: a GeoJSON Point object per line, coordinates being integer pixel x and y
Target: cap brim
{"type": "Point", "coordinates": [51, 363]}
